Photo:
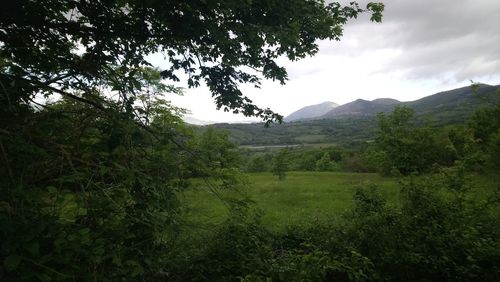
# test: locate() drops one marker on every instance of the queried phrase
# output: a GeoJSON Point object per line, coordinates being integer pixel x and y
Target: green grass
{"type": "Point", "coordinates": [311, 138]}
{"type": "Point", "coordinates": [303, 198]}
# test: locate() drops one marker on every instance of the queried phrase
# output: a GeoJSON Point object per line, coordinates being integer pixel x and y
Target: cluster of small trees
{"type": "Point", "coordinates": [401, 148]}
{"type": "Point", "coordinates": [305, 159]}
{"type": "Point", "coordinates": [404, 148]}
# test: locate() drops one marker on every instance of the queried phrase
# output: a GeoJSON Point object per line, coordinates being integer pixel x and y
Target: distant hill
{"type": "Point", "coordinates": [356, 122]}
{"type": "Point", "coordinates": [443, 105]}
{"type": "Point", "coordinates": [311, 112]}
{"type": "Point", "coordinates": [194, 121]}
{"type": "Point", "coordinates": [455, 105]}
{"type": "Point", "coordinates": [362, 107]}
{"type": "Point", "coordinates": [345, 131]}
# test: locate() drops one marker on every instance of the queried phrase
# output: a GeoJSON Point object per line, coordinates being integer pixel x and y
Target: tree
{"type": "Point", "coordinates": [494, 148]}
{"type": "Point", "coordinates": [325, 163]}
{"type": "Point", "coordinates": [485, 127]}
{"type": "Point", "coordinates": [93, 176]}
{"type": "Point", "coordinates": [73, 48]}
{"type": "Point", "coordinates": [406, 148]}
{"type": "Point", "coordinates": [77, 186]}
{"type": "Point", "coordinates": [213, 152]}
{"type": "Point", "coordinates": [484, 123]}
{"type": "Point", "coordinates": [306, 160]}
{"type": "Point", "coordinates": [280, 164]}
{"type": "Point", "coordinates": [259, 163]}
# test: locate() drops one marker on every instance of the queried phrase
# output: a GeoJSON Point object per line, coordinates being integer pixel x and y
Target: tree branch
{"type": "Point", "coordinates": [43, 85]}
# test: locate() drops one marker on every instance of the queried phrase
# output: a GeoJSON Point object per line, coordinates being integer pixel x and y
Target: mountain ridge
{"type": "Point", "coordinates": [453, 107]}
{"type": "Point", "coordinates": [311, 111]}
{"type": "Point", "coordinates": [361, 107]}
{"type": "Point", "coordinates": [458, 97]}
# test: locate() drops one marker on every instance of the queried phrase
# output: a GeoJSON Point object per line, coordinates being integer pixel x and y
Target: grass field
{"type": "Point", "coordinates": [303, 198]}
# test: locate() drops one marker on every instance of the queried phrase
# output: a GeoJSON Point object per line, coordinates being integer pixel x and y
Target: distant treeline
{"type": "Point", "coordinates": [400, 146]}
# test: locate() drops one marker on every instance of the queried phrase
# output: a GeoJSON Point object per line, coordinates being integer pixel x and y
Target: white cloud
{"type": "Point", "coordinates": [421, 48]}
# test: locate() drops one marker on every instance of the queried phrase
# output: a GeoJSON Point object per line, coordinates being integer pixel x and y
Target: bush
{"type": "Point", "coordinates": [280, 164]}
{"type": "Point", "coordinates": [436, 234]}
{"type": "Point", "coordinates": [326, 164]}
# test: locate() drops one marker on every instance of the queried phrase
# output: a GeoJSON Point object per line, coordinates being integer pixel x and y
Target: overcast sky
{"type": "Point", "coordinates": [421, 47]}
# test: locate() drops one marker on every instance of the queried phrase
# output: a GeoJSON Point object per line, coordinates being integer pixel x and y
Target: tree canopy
{"type": "Point", "coordinates": [75, 48]}
{"type": "Point", "coordinates": [92, 155]}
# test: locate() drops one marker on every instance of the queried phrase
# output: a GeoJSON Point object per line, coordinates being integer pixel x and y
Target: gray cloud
{"type": "Point", "coordinates": [446, 38]}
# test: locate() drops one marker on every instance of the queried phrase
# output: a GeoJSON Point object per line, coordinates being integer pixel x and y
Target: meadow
{"type": "Point", "coordinates": [302, 199]}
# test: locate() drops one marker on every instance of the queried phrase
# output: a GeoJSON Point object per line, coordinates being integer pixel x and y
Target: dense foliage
{"type": "Point", "coordinates": [58, 45]}
{"type": "Point", "coordinates": [406, 148]}
{"type": "Point", "coordinates": [92, 154]}
{"type": "Point", "coordinates": [438, 231]}
{"type": "Point", "coordinates": [280, 164]}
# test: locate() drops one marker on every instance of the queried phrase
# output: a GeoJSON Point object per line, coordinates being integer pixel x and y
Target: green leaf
{"type": "Point", "coordinates": [11, 262]}
{"type": "Point", "coordinates": [43, 277]}
{"type": "Point", "coordinates": [33, 248]}
{"type": "Point", "coordinates": [52, 189]}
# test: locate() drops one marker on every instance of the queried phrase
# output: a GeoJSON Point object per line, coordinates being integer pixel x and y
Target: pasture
{"type": "Point", "coordinates": [302, 199]}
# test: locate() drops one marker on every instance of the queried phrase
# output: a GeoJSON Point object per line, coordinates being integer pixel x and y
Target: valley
{"type": "Point", "coordinates": [354, 124]}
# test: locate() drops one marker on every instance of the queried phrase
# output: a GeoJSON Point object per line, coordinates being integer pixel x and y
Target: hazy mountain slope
{"type": "Point", "coordinates": [343, 131]}
{"type": "Point", "coordinates": [192, 120]}
{"type": "Point", "coordinates": [444, 108]}
{"type": "Point", "coordinates": [362, 107]}
{"type": "Point", "coordinates": [464, 96]}
{"type": "Point", "coordinates": [311, 112]}
{"type": "Point", "coordinates": [386, 101]}
{"type": "Point", "coordinates": [453, 106]}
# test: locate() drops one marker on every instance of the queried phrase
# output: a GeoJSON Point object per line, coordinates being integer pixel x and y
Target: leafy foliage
{"type": "Point", "coordinates": [325, 163]}
{"type": "Point", "coordinates": [92, 154]}
{"type": "Point", "coordinates": [408, 149]}
{"type": "Point", "coordinates": [54, 45]}
{"type": "Point", "coordinates": [259, 163]}
{"type": "Point", "coordinates": [79, 187]}
{"type": "Point", "coordinates": [215, 154]}
{"type": "Point", "coordinates": [437, 234]}
{"type": "Point", "coordinates": [280, 164]}
{"type": "Point", "coordinates": [437, 229]}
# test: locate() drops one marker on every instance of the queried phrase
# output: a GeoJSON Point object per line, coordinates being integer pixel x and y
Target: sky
{"type": "Point", "coordinates": [420, 48]}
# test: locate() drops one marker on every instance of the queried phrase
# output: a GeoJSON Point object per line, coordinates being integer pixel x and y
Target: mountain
{"type": "Point", "coordinates": [452, 105]}
{"type": "Point", "coordinates": [452, 99]}
{"type": "Point", "coordinates": [192, 120]}
{"type": "Point", "coordinates": [195, 121]}
{"type": "Point", "coordinates": [386, 101]}
{"type": "Point", "coordinates": [362, 107]}
{"type": "Point", "coordinates": [311, 112]}
{"type": "Point", "coordinates": [355, 123]}
{"type": "Point", "coordinates": [455, 105]}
